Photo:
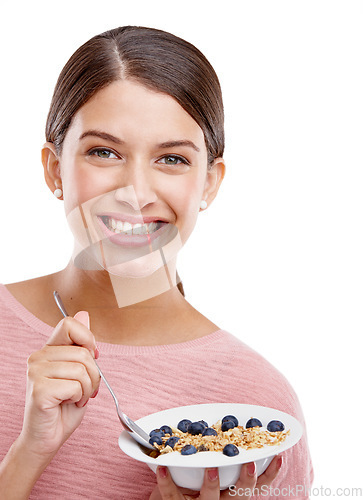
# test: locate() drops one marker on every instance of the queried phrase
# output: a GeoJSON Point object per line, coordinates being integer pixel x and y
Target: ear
{"type": "Point", "coordinates": [51, 167]}
{"type": "Point", "coordinates": [215, 175]}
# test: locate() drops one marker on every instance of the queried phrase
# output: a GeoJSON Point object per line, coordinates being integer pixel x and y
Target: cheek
{"type": "Point", "coordinates": [185, 202]}
{"type": "Point", "coordinates": [80, 187]}
{"type": "Point", "coordinates": [186, 193]}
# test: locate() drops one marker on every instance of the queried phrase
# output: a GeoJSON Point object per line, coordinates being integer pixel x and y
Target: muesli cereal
{"type": "Point", "coordinates": [226, 436]}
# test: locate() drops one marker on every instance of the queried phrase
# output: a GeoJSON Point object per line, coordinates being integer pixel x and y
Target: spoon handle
{"type": "Point", "coordinates": [60, 303]}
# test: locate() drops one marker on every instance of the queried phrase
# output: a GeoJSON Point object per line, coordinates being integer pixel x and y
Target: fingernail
{"type": "Point", "coordinates": [97, 353]}
{"type": "Point", "coordinates": [85, 403]}
{"type": "Point", "coordinates": [82, 317]}
{"type": "Point", "coordinates": [213, 474]}
{"type": "Point", "coordinates": [279, 461]}
{"type": "Point", "coordinates": [95, 393]}
{"type": "Point", "coordinates": [251, 469]}
{"type": "Point", "coordinates": [163, 471]}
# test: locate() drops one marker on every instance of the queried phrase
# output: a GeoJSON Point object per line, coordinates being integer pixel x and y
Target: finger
{"type": "Point", "coordinates": [40, 362]}
{"type": "Point", "coordinates": [167, 487]}
{"type": "Point", "coordinates": [155, 494]}
{"type": "Point", "coordinates": [73, 331]}
{"type": "Point", "coordinates": [245, 484]}
{"type": "Point", "coordinates": [270, 473]}
{"type": "Point", "coordinates": [66, 371]}
{"type": "Point", "coordinates": [48, 394]}
{"type": "Point", "coordinates": [210, 488]}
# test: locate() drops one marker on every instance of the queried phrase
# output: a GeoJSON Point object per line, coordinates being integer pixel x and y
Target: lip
{"type": "Point", "coordinates": [131, 240]}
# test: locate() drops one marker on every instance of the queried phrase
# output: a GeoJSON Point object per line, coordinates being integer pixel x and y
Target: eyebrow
{"type": "Point", "coordinates": [116, 140]}
{"type": "Point", "coordinates": [102, 135]}
{"type": "Point", "coordinates": [173, 144]}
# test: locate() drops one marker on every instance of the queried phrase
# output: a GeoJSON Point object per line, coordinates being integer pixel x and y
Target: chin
{"type": "Point", "coordinates": [139, 268]}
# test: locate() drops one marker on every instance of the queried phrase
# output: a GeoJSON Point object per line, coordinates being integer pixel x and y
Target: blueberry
{"type": "Point", "coordinates": [196, 428]}
{"type": "Point", "coordinates": [253, 422]}
{"type": "Point", "coordinates": [209, 431]}
{"type": "Point", "coordinates": [275, 425]}
{"type": "Point", "coordinates": [204, 423]}
{"type": "Point", "coordinates": [172, 441]}
{"type": "Point", "coordinates": [188, 449]}
{"type": "Point", "coordinates": [155, 439]}
{"type": "Point", "coordinates": [228, 424]}
{"type": "Point", "coordinates": [157, 432]}
{"type": "Point", "coordinates": [230, 417]}
{"type": "Point", "coordinates": [166, 429]}
{"type": "Point", "coordinates": [184, 424]}
{"type": "Point", "coordinates": [230, 450]}
{"type": "Point", "coordinates": [203, 447]}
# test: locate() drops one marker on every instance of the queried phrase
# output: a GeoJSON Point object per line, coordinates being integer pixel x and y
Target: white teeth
{"type": "Point", "coordinates": [139, 229]}
{"type": "Point", "coordinates": [118, 226]}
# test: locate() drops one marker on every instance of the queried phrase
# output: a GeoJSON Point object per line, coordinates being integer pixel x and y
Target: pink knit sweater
{"type": "Point", "coordinates": [90, 465]}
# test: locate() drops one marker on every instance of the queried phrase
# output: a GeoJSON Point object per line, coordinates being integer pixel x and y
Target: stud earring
{"type": "Point", "coordinates": [203, 204]}
{"type": "Point", "coordinates": [58, 193]}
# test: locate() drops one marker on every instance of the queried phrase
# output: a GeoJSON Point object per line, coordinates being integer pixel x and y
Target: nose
{"type": "Point", "coordinates": [136, 189]}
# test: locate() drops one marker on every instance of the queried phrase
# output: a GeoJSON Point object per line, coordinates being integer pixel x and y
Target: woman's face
{"type": "Point", "coordinates": [133, 154]}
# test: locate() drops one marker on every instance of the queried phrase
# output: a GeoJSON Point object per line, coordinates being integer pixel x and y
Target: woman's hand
{"type": "Point", "coordinates": [247, 482]}
{"type": "Point", "coordinates": [62, 376]}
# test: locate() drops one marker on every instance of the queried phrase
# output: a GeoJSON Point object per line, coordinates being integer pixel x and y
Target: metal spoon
{"type": "Point", "coordinates": [130, 426]}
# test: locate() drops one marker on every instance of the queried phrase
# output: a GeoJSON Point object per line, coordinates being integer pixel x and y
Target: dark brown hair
{"type": "Point", "coordinates": [156, 59]}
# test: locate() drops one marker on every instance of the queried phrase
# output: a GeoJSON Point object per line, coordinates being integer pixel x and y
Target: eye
{"type": "Point", "coordinates": [174, 160]}
{"type": "Point", "coordinates": [103, 153]}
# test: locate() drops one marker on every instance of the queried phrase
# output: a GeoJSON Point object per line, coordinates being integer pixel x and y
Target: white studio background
{"type": "Point", "coordinates": [277, 258]}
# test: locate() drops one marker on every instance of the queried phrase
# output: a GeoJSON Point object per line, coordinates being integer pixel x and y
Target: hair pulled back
{"type": "Point", "coordinates": [156, 59]}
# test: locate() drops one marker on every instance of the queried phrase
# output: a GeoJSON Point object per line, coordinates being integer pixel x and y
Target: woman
{"type": "Point", "coordinates": [134, 150]}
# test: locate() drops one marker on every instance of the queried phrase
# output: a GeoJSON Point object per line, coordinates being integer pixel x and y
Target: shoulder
{"type": "Point", "coordinates": [35, 295]}
{"type": "Point", "coordinates": [26, 303]}
{"type": "Point", "coordinates": [24, 290]}
{"type": "Point", "coordinates": [253, 378]}
{"type": "Point", "coordinates": [239, 355]}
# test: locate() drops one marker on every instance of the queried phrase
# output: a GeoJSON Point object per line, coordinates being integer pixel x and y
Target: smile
{"type": "Point", "coordinates": [123, 227]}
{"type": "Point", "coordinates": [127, 234]}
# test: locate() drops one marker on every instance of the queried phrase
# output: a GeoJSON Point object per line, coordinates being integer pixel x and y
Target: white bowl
{"type": "Point", "coordinates": [188, 471]}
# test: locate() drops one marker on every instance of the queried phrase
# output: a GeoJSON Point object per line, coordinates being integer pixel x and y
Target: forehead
{"type": "Point", "coordinates": [132, 112]}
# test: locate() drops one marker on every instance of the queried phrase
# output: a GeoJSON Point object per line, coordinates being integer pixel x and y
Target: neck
{"type": "Point", "coordinates": [130, 310]}
{"type": "Point", "coordinates": [103, 289]}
